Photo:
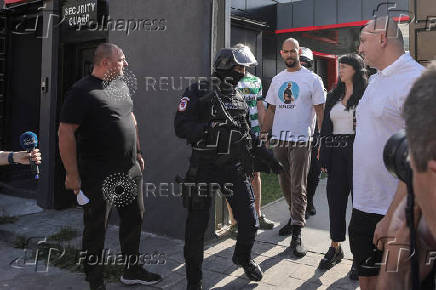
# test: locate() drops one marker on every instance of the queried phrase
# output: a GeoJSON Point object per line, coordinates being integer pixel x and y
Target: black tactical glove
{"type": "Point", "coordinates": [276, 166]}
{"type": "Point", "coordinates": [266, 157]}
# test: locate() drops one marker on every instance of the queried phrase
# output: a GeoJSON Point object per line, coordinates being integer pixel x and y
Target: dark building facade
{"type": "Point", "coordinates": [48, 45]}
{"type": "Point", "coordinates": [328, 27]}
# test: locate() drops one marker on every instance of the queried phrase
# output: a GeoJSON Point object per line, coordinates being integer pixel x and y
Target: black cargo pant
{"type": "Point", "coordinates": [95, 217]}
{"type": "Point", "coordinates": [339, 186]}
{"type": "Point", "coordinates": [241, 199]}
{"type": "Point", "coordinates": [313, 175]}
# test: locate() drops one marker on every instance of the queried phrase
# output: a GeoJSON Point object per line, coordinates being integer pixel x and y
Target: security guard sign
{"type": "Point", "coordinates": [79, 12]}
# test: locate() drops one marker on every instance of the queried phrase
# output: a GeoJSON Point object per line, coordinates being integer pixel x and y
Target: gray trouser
{"type": "Point", "coordinates": [295, 157]}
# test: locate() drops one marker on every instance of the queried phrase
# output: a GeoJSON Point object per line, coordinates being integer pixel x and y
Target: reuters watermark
{"type": "Point", "coordinates": [199, 189]}
{"type": "Point", "coordinates": [180, 83]}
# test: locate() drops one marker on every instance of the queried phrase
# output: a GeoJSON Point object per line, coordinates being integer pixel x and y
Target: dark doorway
{"type": "Point", "coordinates": [327, 68]}
{"type": "Point", "coordinates": [23, 93]}
{"type": "Point", "coordinates": [76, 63]}
{"type": "Point", "coordinates": [251, 38]}
{"type": "Point", "coordinates": [20, 87]}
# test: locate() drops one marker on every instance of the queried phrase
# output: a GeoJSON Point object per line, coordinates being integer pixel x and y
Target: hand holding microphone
{"type": "Point", "coordinates": [29, 142]}
{"type": "Point", "coordinates": [24, 157]}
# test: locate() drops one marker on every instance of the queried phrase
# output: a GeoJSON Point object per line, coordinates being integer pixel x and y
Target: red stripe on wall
{"type": "Point", "coordinates": [324, 55]}
{"type": "Point", "coordinates": [13, 1]}
{"type": "Point", "coordinates": [322, 27]}
{"type": "Point", "coordinates": [333, 26]}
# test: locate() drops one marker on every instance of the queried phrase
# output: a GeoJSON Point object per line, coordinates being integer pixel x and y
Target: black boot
{"type": "Point", "coordinates": [251, 269]}
{"type": "Point", "coordinates": [331, 258]}
{"type": "Point", "coordinates": [287, 229]}
{"type": "Point", "coordinates": [296, 244]}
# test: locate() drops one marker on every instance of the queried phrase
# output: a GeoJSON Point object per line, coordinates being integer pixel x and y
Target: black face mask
{"type": "Point", "coordinates": [234, 77]}
{"type": "Point", "coordinates": [230, 77]}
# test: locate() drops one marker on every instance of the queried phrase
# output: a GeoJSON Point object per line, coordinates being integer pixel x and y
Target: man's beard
{"type": "Point", "coordinates": [291, 65]}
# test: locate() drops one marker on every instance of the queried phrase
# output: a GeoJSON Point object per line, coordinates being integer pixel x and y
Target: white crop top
{"type": "Point", "coordinates": [342, 119]}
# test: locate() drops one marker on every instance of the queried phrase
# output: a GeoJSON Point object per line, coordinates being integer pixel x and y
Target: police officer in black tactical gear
{"type": "Point", "coordinates": [306, 60]}
{"type": "Point", "coordinates": [214, 118]}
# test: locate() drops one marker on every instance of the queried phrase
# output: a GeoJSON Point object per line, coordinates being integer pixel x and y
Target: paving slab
{"type": "Point", "coordinates": [316, 234]}
{"type": "Point", "coordinates": [282, 270]}
{"type": "Point", "coordinates": [17, 206]}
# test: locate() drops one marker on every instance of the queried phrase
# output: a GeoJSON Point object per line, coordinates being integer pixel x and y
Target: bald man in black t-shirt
{"type": "Point", "coordinates": [98, 143]}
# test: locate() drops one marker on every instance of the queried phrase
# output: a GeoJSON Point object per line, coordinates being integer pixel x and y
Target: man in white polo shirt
{"type": "Point", "coordinates": [378, 117]}
{"type": "Point", "coordinates": [294, 97]}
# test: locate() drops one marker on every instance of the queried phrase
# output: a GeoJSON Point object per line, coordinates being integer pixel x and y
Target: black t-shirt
{"type": "Point", "coordinates": [106, 137]}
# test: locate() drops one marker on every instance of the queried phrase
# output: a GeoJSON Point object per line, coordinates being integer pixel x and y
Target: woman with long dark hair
{"type": "Point", "coordinates": [336, 154]}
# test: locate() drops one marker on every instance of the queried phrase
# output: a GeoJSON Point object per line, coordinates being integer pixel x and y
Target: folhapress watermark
{"type": "Point", "coordinates": [107, 258]}
{"type": "Point", "coordinates": [128, 26]}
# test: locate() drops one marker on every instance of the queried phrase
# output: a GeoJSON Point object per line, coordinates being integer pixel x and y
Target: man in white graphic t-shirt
{"type": "Point", "coordinates": [295, 96]}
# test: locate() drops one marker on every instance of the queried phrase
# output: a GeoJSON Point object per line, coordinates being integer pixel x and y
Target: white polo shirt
{"type": "Point", "coordinates": [294, 94]}
{"type": "Point", "coordinates": [379, 116]}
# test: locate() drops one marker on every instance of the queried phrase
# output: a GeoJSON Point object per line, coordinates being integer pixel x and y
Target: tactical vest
{"type": "Point", "coordinates": [229, 140]}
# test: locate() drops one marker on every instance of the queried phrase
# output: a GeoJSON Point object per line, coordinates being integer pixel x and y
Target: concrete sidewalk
{"type": "Point", "coordinates": [281, 269]}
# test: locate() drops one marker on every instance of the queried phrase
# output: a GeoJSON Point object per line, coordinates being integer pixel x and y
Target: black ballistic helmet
{"type": "Point", "coordinates": [306, 57]}
{"type": "Point", "coordinates": [229, 57]}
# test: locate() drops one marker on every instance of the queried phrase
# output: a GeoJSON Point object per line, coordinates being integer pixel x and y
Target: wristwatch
{"type": "Point", "coordinates": [11, 158]}
{"type": "Point", "coordinates": [139, 152]}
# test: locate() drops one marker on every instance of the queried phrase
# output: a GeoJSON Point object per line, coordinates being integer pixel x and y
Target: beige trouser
{"type": "Point", "coordinates": [295, 158]}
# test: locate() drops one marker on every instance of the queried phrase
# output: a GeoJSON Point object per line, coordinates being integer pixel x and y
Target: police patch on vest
{"type": "Point", "coordinates": [183, 104]}
{"type": "Point", "coordinates": [231, 106]}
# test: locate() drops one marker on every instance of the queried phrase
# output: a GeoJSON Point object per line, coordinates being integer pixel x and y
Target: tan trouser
{"type": "Point", "coordinates": [295, 157]}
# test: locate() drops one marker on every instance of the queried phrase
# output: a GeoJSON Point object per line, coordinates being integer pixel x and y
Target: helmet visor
{"type": "Point", "coordinates": [243, 56]}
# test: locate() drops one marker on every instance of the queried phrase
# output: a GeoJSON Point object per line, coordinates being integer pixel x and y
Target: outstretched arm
{"type": "Point", "coordinates": [22, 157]}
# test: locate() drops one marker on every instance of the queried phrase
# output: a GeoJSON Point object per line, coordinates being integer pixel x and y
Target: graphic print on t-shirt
{"type": "Point", "coordinates": [288, 94]}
